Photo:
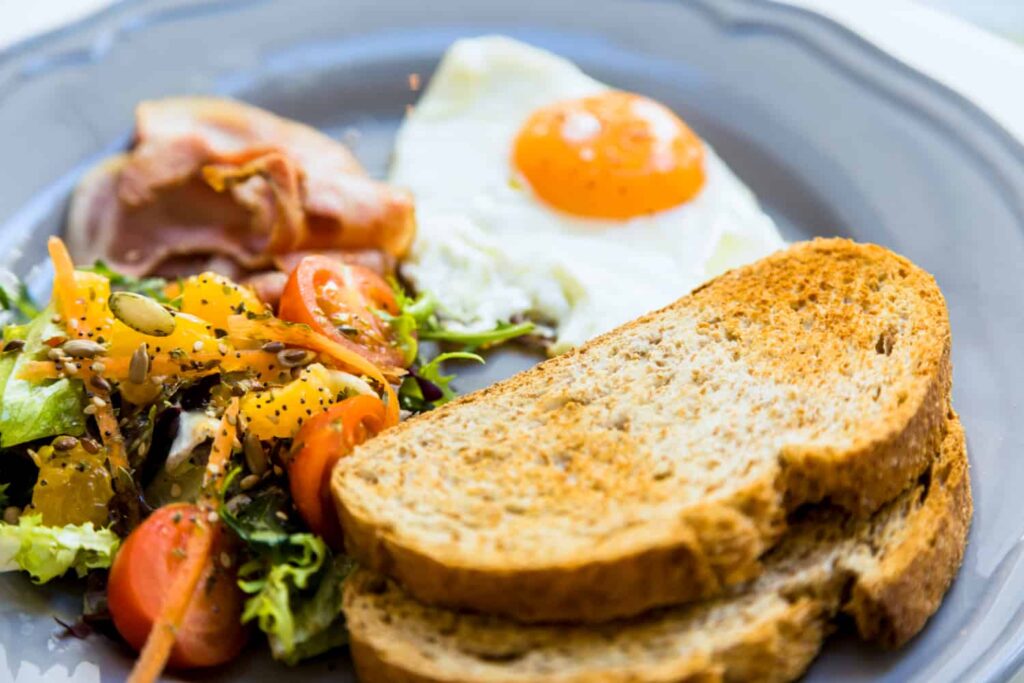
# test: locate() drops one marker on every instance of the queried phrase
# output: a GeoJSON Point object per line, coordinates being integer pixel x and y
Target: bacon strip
{"type": "Point", "coordinates": [216, 179]}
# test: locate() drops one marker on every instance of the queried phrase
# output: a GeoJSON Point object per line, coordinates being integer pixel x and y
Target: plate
{"type": "Point", "coordinates": [834, 136]}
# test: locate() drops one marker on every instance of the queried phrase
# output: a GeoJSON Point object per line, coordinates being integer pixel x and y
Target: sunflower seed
{"type": "Point", "coordinates": [12, 513]}
{"type": "Point", "coordinates": [237, 503]}
{"type": "Point", "coordinates": [82, 348]}
{"type": "Point", "coordinates": [142, 314]}
{"type": "Point", "coordinates": [64, 443]}
{"type": "Point", "coordinates": [249, 481]}
{"type": "Point", "coordinates": [100, 384]}
{"type": "Point", "coordinates": [255, 456]}
{"type": "Point", "coordinates": [293, 358]}
{"type": "Point", "coordinates": [138, 368]}
{"type": "Point", "coordinates": [90, 445]}
{"type": "Point", "coordinates": [14, 345]}
{"type": "Point", "coordinates": [272, 347]}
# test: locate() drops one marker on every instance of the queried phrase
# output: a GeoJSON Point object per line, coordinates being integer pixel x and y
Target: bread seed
{"type": "Point", "coordinates": [138, 368]}
{"type": "Point", "coordinates": [142, 314]}
{"type": "Point", "coordinates": [64, 443]}
{"type": "Point", "coordinates": [82, 348]}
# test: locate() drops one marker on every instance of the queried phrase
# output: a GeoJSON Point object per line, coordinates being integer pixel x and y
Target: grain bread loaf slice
{"type": "Point", "coordinates": [889, 573]}
{"type": "Point", "coordinates": [656, 464]}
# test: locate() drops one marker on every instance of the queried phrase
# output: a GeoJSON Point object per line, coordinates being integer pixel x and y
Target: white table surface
{"type": "Point", "coordinates": [974, 46]}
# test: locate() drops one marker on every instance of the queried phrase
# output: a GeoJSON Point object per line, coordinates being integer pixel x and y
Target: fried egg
{"type": "Point", "coordinates": [542, 193]}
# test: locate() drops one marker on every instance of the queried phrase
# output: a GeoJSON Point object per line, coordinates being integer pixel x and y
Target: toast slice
{"type": "Point", "coordinates": [656, 464]}
{"type": "Point", "coordinates": [889, 573]}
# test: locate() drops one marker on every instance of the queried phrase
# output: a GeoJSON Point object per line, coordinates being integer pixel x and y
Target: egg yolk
{"type": "Point", "coordinates": [615, 155]}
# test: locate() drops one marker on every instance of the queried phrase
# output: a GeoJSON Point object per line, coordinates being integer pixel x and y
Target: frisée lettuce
{"type": "Point", "coordinates": [48, 552]}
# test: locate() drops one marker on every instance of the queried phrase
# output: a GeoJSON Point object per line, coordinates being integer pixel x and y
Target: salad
{"type": "Point", "coordinates": [169, 443]}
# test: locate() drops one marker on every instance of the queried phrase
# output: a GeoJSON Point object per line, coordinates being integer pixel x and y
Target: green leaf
{"type": "Point", "coordinates": [418, 320]}
{"type": "Point", "coordinates": [501, 333]}
{"type": "Point", "coordinates": [296, 597]}
{"type": "Point", "coordinates": [48, 552]}
{"type": "Point", "coordinates": [152, 287]}
{"type": "Point", "coordinates": [432, 372]}
{"type": "Point", "coordinates": [20, 302]}
{"type": "Point", "coordinates": [36, 410]}
{"type": "Point", "coordinates": [259, 522]}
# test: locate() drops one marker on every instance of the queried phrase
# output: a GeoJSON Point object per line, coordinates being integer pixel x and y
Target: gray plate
{"type": "Point", "coordinates": [833, 135]}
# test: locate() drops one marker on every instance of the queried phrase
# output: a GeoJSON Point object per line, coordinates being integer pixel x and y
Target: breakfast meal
{"type": "Point", "coordinates": [236, 416]}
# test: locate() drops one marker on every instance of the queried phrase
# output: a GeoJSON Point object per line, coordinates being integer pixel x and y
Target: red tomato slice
{"type": "Point", "coordinates": [320, 443]}
{"type": "Point", "coordinates": [211, 632]}
{"type": "Point", "coordinates": [337, 300]}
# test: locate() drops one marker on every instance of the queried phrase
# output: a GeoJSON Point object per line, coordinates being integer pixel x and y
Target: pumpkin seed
{"type": "Point", "coordinates": [142, 314]}
{"type": "Point", "coordinates": [138, 367]}
{"type": "Point", "coordinates": [82, 348]}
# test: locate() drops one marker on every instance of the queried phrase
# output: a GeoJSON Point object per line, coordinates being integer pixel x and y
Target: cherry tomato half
{"type": "Point", "coordinates": [338, 301]}
{"type": "Point", "coordinates": [322, 441]}
{"type": "Point", "coordinates": [211, 632]}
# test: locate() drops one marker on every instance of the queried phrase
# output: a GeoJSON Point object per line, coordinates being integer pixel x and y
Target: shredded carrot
{"type": "Point", "coordinates": [264, 364]}
{"type": "Point", "coordinates": [153, 657]}
{"type": "Point", "coordinates": [65, 289]}
{"type": "Point", "coordinates": [155, 653]}
{"type": "Point", "coordinates": [110, 432]}
{"type": "Point", "coordinates": [303, 335]}
{"type": "Point", "coordinates": [220, 452]}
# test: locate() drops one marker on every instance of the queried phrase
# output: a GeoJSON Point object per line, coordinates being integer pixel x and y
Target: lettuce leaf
{"type": "Point", "coordinates": [36, 410]}
{"type": "Point", "coordinates": [296, 597]}
{"type": "Point", "coordinates": [48, 552]}
{"type": "Point", "coordinates": [417, 320]}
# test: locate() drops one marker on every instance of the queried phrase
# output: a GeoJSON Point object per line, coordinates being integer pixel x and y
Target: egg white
{"type": "Point", "coordinates": [490, 250]}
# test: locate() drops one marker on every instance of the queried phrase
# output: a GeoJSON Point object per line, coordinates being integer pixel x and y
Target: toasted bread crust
{"type": "Point", "coordinates": [896, 567]}
{"type": "Point", "coordinates": [892, 605]}
{"type": "Point", "coordinates": [716, 541]}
